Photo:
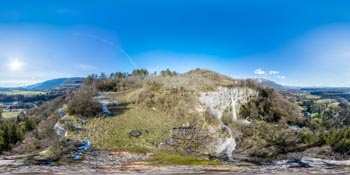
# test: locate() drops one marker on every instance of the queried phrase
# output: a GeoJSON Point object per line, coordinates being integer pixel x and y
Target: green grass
{"type": "Point", "coordinates": [10, 115]}
{"type": "Point", "coordinates": [112, 133]}
{"type": "Point", "coordinates": [170, 158]}
{"type": "Point", "coordinates": [21, 92]}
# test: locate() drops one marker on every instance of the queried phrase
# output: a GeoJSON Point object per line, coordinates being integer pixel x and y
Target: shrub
{"type": "Point", "coordinates": [140, 72]}
{"type": "Point", "coordinates": [308, 137]}
{"type": "Point", "coordinates": [270, 106]}
{"type": "Point", "coordinates": [167, 72]}
{"type": "Point", "coordinates": [29, 124]}
{"type": "Point", "coordinates": [83, 103]}
{"type": "Point", "coordinates": [11, 133]}
{"type": "Point", "coordinates": [338, 139]}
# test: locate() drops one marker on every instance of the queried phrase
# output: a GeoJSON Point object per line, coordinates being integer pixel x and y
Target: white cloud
{"type": "Point", "coordinates": [259, 72]}
{"type": "Point", "coordinates": [269, 74]}
{"type": "Point", "coordinates": [281, 77]}
{"type": "Point", "coordinates": [273, 72]}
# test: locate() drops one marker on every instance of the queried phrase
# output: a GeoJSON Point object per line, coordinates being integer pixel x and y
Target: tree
{"type": "Point", "coordinates": [140, 72]}
{"type": "Point", "coordinates": [83, 103]}
{"type": "Point", "coordinates": [167, 72]}
{"type": "Point", "coordinates": [103, 76]}
{"type": "Point", "coordinates": [91, 79]}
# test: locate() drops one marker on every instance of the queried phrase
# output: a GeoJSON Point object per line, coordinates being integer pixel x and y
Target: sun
{"type": "Point", "coordinates": [15, 65]}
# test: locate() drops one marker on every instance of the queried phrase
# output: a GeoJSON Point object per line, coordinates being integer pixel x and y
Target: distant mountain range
{"type": "Point", "coordinates": [60, 83]}
{"type": "Point", "coordinates": [271, 84]}
{"type": "Point", "coordinates": [55, 84]}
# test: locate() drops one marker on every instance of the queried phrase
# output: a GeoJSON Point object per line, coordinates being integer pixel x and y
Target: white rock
{"type": "Point", "coordinates": [220, 100]}
{"type": "Point", "coordinates": [60, 130]}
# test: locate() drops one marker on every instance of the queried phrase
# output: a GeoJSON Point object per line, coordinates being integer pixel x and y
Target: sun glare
{"type": "Point", "coordinates": [16, 65]}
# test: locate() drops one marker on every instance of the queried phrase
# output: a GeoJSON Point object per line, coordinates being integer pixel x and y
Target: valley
{"type": "Point", "coordinates": [14, 101]}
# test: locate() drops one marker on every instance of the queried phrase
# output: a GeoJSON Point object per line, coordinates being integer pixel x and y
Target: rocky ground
{"type": "Point", "coordinates": [141, 168]}
{"type": "Point", "coordinates": [103, 162]}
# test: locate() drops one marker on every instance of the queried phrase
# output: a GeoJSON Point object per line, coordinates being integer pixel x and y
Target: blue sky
{"type": "Point", "coordinates": [294, 42]}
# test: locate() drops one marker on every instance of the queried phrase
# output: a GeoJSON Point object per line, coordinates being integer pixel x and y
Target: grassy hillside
{"type": "Point", "coordinates": [163, 114]}
{"type": "Point", "coordinates": [113, 133]}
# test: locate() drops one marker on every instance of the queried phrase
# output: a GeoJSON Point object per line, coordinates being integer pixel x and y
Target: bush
{"type": "Point", "coordinates": [83, 103]}
{"type": "Point", "coordinates": [140, 72]}
{"type": "Point", "coordinates": [167, 72]}
{"type": "Point", "coordinates": [270, 106]}
{"type": "Point", "coordinates": [11, 133]}
{"type": "Point", "coordinates": [29, 124]}
{"type": "Point", "coordinates": [267, 140]}
{"type": "Point", "coordinates": [308, 137]}
{"type": "Point", "coordinates": [338, 139]}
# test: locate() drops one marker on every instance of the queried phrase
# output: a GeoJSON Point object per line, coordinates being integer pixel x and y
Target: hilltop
{"type": "Point", "coordinates": [198, 117]}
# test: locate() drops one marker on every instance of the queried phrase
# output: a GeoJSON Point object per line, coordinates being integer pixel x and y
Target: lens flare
{"type": "Point", "coordinates": [15, 65]}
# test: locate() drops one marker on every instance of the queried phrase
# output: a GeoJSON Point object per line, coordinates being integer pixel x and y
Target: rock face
{"type": "Point", "coordinates": [220, 102]}
{"type": "Point", "coordinates": [223, 98]}
{"type": "Point", "coordinates": [60, 130]}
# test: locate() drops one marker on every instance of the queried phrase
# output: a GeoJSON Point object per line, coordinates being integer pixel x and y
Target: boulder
{"type": "Point", "coordinates": [48, 155]}
{"type": "Point", "coordinates": [135, 133]}
{"type": "Point", "coordinates": [61, 112]}
{"type": "Point", "coordinates": [60, 130]}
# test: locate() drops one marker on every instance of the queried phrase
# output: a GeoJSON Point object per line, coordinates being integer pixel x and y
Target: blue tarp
{"type": "Point", "coordinates": [84, 146]}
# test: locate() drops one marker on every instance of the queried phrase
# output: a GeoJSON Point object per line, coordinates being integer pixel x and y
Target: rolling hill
{"type": "Point", "coordinates": [55, 84]}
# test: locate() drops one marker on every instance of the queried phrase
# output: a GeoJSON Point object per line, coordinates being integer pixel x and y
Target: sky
{"type": "Point", "coordinates": [293, 42]}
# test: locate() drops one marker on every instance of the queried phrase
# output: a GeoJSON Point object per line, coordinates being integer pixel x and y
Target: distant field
{"type": "Point", "coordinates": [9, 115]}
{"type": "Point", "coordinates": [21, 92]}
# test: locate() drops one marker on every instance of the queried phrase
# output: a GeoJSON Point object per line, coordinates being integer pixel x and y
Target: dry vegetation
{"type": "Point", "coordinates": [157, 106]}
{"type": "Point", "coordinates": [113, 133]}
